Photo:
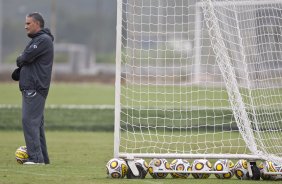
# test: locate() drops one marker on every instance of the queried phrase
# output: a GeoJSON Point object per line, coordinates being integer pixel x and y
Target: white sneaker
{"type": "Point", "coordinates": [33, 163]}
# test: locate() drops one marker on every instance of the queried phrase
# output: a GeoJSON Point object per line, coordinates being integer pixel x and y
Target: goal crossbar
{"type": "Point", "coordinates": [238, 3]}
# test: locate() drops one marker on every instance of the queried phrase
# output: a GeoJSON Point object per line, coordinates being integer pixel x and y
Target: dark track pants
{"type": "Point", "coordinates": [33, 126]}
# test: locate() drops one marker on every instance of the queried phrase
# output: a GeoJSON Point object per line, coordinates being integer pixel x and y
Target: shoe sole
{"type": "Point", "coordinates": [33, 163]}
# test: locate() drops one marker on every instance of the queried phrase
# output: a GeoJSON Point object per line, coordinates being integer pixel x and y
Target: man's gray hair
{"type": "Point", "coordinates": [38, 17]}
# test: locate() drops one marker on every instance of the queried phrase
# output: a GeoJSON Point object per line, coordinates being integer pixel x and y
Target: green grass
{"type": "Point", "coordinates": [63, 118]}
{"type": "Point", "coordinates": [76, 157]}
{"type": "Point", "coordinates": [80, 152]}
{"type": "Point", "coordinates": [162, 96]}
{"type": "Point", "coordinates": [64, 93]}
{"type": "Point", "coordinates": [82, 119]}
{"type": "Point", "coordinates": [181, 96]}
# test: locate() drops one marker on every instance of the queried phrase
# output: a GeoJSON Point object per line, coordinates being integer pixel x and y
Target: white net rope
{"type": "Point", "coordinates": [201, 77]}
{"type": "Point", "coordinates": [245, 21]}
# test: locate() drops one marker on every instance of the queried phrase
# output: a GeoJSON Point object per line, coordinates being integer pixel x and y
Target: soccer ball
{"type": "Point", "coordinates": [241, 170]}
{"type": "Point", "coordinates": [224, 165]}
{"type": "Point", "coordinates": [201, 165]}
{"type": "Point", "coordinates": [270, 167]}
{"type": "Point", "coordinates": [142, 167]}
{"type": "Point", "coordinates": [116, 168]}
{"type": "Point", "coordinates": [21, 154]}
{"type": "Point", "coordinates": [158, 165]}
{"type": "Point", "coordinates": [180, 165]}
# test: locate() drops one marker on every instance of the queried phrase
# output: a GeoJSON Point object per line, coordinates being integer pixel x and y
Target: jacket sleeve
{"type": "Point", "coordinates": [34, 50]}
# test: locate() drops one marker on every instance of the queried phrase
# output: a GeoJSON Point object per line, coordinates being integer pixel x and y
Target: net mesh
{"type": "Point", "coordinates": [201, 77]}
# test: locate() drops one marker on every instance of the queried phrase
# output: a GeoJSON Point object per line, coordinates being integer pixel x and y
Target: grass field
{"type": "Point", "coordinates": [64, 93]}
{"type": "Point", "coordinates": [90, 119]}
{"type": "Point", "coordinates": [80, 141]}
{"type": "Point", "coordinates": [76, 157]}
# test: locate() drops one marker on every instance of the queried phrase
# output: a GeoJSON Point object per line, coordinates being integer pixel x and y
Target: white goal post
{"type": "Point", "coordinates": [199, 79]}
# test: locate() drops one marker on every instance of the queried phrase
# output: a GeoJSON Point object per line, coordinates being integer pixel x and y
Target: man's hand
{"type": "Point", "coordinates": [19, 61]}
{"type": "Point", "coordinates": [16, 74]}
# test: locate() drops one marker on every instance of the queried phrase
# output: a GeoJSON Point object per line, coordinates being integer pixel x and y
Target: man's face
{"type": "Point", "coordinates": [32, 26]}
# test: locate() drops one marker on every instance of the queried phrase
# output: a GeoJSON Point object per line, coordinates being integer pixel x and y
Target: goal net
{"type": "Point", "coordinates": [199, 79]}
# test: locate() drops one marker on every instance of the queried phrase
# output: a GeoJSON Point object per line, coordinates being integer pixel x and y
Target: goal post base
{"type": "Point", "coordinates": [253, 170]}
{"type": "Point", "coordinates": [132, 166]}
{"type": "Point", "coordinates": [189, 156]}
{"type": "Point", "coordinates": [190, 172]}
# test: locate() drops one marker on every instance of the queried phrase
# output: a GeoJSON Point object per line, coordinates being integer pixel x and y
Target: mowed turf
{"type": "Point", "coordinates": [64, 93]}
{"type": "Point", "coordinates": [76, 158]}
{"type": "Point", "coordinates": [63, 118]}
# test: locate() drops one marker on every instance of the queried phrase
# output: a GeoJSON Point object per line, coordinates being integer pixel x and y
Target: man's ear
{"type": "Point", "coordinates": [38, 24]}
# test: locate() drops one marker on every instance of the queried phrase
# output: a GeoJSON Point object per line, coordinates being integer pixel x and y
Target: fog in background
{"type": "Point", "coordinates": [85, 31]}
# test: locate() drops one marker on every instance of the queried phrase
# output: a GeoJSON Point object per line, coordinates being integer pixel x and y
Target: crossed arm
{"type": "Point", "coordinates": [31, 52]}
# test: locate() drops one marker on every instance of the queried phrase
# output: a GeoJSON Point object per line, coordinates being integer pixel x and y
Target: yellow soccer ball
{"type": "Point", "coordinates": [201, 165]}
{"type": "Point", "coordinates": [21, 154]}
{"type": "Point", "coordinates": [270, 167]}
{"type": "Point", "coordinates": [116, 168]}
{"type": "Point", "coordinates": [241, 170]}
{"type": "Point", "coordinates": [159, 165]}
{"type": "Point", "coordinates": [222, 165]}
{"type": "Point", "coordinates": [180, 165]}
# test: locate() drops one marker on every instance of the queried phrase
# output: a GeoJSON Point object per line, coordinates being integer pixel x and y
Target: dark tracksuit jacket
{"type": "Point", "coordinates": [36, 63]}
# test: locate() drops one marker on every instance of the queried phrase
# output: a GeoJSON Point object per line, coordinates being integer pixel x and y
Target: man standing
{"type": "Point", "coordinates": [34, 75]}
